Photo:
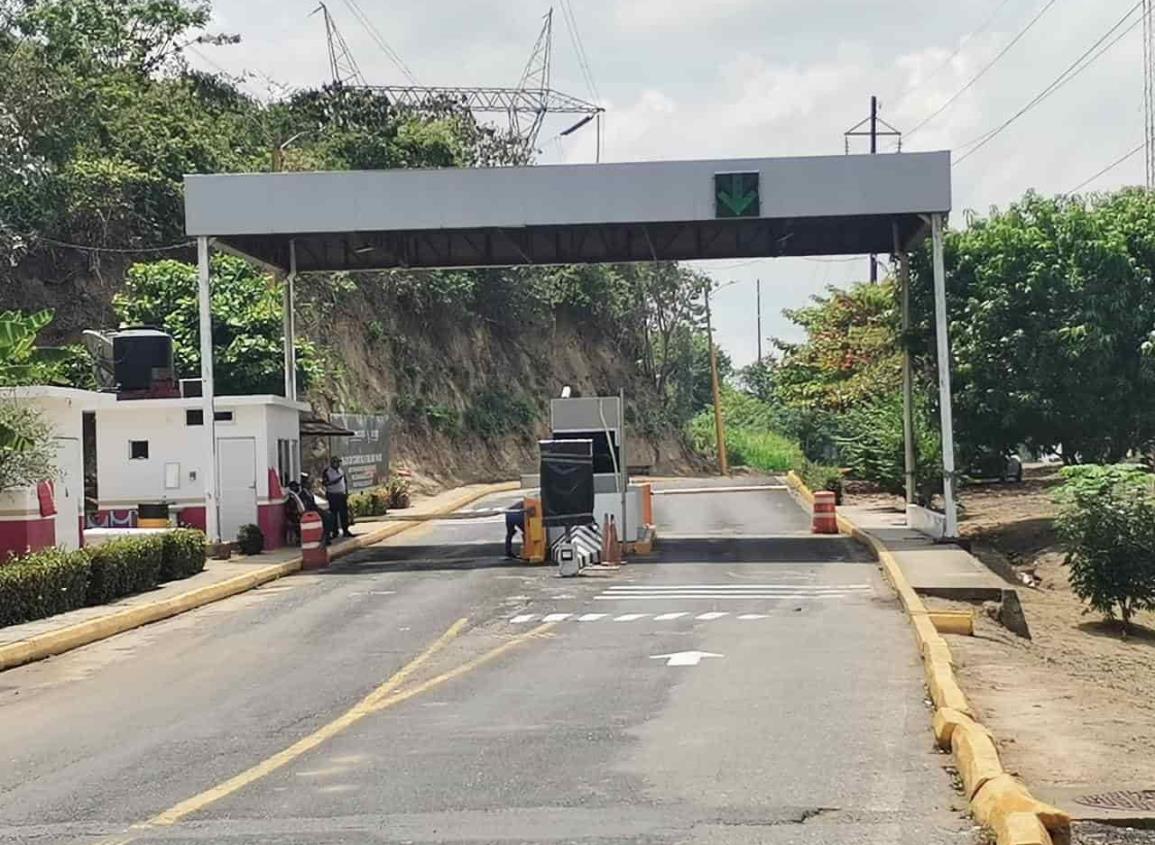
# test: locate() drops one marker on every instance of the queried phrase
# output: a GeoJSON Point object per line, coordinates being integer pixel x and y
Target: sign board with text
{"type": "Point", "coordinates": [365, 455]}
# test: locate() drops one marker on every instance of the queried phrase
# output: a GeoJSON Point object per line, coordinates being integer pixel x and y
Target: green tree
{"type": "Point", "coordinates": [850, 354]}
{"type": "Point", "coordinates": [1051, 310]}
{"type": "Point", "coordinates": [247, 322]}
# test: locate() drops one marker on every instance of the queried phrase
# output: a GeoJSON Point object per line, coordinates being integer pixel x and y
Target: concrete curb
{"type": "Point", "coordinates": [83, 633]}
{"type": "Point", "coordinates": [997, 799]}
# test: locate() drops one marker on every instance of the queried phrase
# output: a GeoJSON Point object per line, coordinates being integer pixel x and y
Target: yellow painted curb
{"type": "Point", "coordinates": [1004, 794]}
{"type": "Point", "coordinates": [997, 799]}
{"type": "Point", "coordinates": [83, 633]}
{"type": "Point", "coordinates": [1021, 829]}
{"type": "Point", "coordinates": [977, 757]}
{"type": "Point", "coordinates": [953, 622]}
{"type": "Point", "coordinates": [946, 719]}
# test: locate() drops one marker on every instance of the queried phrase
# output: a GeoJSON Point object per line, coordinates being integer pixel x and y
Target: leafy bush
{"type": "Point", "coordinates": [1106, 523]}
{"type": "Point", "coordinates": [767, 451]}
{"type": "Point", "coordinates": [374, 502]}
{"type": "Point", "coordinates": [821, 477]}
{"type": "Point", "coordinates": [250, 540]}
{"type": "Point", "coordinates": [870, 446]}
{"type": "Point", "coordinates": [184, 554]}
{"type": "Point", "coordinates": [124, 566]}
{"type": "Point", "coordinates": [42, 584]}
{"type": "Point", "coordinates": [399, 492]}
{"type": "Point", "coordinates": [27, 450]}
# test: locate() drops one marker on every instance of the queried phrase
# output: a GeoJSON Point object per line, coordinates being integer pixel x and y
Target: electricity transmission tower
{"type": "Point", "coordinates": [342, 65]}
{"type": "Point", "coordinates": [525, 105]}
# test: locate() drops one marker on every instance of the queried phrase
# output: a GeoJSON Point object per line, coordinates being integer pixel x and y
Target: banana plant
{"type": "Point", "coordinates": [21, 360]}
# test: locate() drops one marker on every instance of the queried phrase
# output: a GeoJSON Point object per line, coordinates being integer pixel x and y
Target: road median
{"type": "Point", "coordinates": [997, 799]}
{"type": "Point", "coordinates": [121, 619]}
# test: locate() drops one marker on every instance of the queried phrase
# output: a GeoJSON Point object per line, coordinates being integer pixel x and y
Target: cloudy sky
{"type": "Point", "coordinates": [718, 78]}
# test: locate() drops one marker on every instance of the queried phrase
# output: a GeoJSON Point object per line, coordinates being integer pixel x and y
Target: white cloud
{"type": "Point", "coordinates": [683, 15]}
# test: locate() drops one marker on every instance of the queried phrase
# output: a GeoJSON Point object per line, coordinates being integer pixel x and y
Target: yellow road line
{"type": "Point", "coordinates": [383, 697]}
{"type": "Point", "coordinates": [359, 711]}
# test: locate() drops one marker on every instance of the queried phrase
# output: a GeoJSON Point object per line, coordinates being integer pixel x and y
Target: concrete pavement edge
{"type": "Point", "coordinates": [997, 799]}
{"type": "Point", "coordinates": [53, 643]}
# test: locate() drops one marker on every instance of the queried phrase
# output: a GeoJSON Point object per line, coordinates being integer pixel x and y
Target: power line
{"type": "Point", "coordinates": [985, 68]}
{"type": "Point", "coordinates": [1074, 69]}
{"type": "Point", "coordinates": [902, 98]}
{"type": "Point", "coordinates": [110, 249]}
{"type": "Point", "coordinates": [579, 49]}
{"type": "Point", "coordinates": [1107, 169]}
{"type": "Point", "coordinates": [377, 37]}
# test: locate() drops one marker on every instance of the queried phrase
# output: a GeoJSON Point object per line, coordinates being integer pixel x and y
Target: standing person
{"type": "Point", "coordinates": [514, 522]}
{"type": "Point", "coordinates": [337, 492]}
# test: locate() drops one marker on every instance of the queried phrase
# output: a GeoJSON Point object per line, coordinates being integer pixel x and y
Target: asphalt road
{"type": "Point", "coordinates": [751, 684]}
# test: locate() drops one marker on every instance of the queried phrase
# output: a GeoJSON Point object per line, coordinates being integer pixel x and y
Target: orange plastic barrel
{"type": "Point", "coordinates": [824, 520]}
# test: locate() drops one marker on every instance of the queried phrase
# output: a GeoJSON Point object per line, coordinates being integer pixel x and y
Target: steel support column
{"type": "Point", "coordinates": [209, 469]}
{"type": "Point", "coordinates": [290, 324]}
{"type": "Point", "coordinates": [908, 454]}
{"type": "Point", "coordinates": [944, 401]}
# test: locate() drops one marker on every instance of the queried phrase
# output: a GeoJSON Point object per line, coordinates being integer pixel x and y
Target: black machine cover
{"type": "Point", "coordinates": [567, 482]}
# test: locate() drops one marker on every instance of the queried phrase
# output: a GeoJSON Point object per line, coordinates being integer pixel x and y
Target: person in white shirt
{"type": "Point", "coordinates": [337, 493]}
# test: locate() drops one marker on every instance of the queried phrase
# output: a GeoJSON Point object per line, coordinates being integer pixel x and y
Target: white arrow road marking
{"type": "Point", "coordinates": [706, 617]}
{"type": "Point", "coordinates": [630, 617]}
{"type": "Point", "coordinates": [591, 617]}
{"type": "Point", "coordinates": [684, 658]}
{"type": "Point", "coordinates": [666, 616]}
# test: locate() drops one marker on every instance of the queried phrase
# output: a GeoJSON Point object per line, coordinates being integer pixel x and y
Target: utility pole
{"type": "Point", "coordinates": [719, 423]}
{"type": "Point", "coordinates": [1149, 93]}
{"type": "Point", "coordinates": [869, 127]}
{"type": "Point", "coordinates": [758, 288]}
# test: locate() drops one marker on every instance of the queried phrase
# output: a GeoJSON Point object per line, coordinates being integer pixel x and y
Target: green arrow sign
{"type": "Point", "coordinates": [736, 195]}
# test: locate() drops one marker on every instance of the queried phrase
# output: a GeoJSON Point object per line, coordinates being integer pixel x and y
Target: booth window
{"type": "Point", "coordinates": [196, 416]}
{"type": "Point", "coordinates": [138, 450]}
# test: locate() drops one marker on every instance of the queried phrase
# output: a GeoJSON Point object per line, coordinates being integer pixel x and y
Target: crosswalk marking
{"type": "Point", "coordinates": [710, 616]}
{"type": "Point", "coordinates": [721, 597]}
{"type": "Point", "coordinates": [649, 587]}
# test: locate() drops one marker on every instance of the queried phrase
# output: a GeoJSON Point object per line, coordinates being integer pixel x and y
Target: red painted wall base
{"type": "Point", "coordinates": [22, 536]}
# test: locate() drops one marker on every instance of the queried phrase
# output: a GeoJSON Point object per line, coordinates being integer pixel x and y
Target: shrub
{"type": "Point", "coordinates": [398, 490]}
{"type": "Point", "coordinates": [124, 566]}
{"type": "Point", "coordinates": [821, 477]}
{"type": "Point", "coordinates": [870, 446]}
{"type": "Point", "coordinates": [1106, 523]}
{"type": "Point", "coordinates": [250, 540]}
{"type": "Point", "coordinates": [184, 554]}
{"type": "Point", "coordinates": [42, 584]}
